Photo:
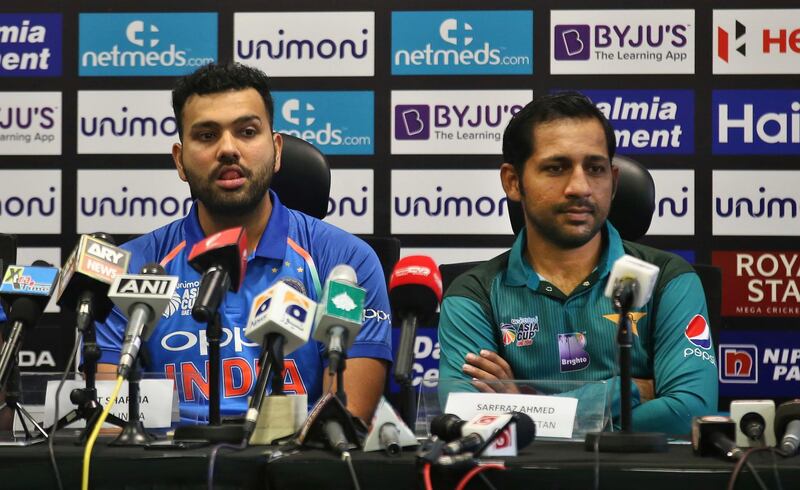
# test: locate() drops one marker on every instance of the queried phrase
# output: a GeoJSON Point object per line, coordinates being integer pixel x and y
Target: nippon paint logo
{"type": "Point", "coordinates": [448, 202]}
{"type": "Point", "coordinates": [763, 41]}
{"type": "Point", "coordinates": [642, 42]}
{"type": "Point", "coordinates": [738, 363]}
{"type": "Point", "coordinates": [674, 213]}
{"type": "Point", "coordinates": [351, 202]}
{"type": "Point", "coordinates": [306, 44]}
{"type": "Point", "coordinates": [462, 42]}
{"type": "Point", "coordinates": [125, 121]}
{"type": "Point", "coordinates": [30, 45]}
{"type": "Point", "coordinates": [51, 255]}
{"type": "Point", "coordinates": [459, 122]}
{"type": "Point", "coordinates": [30, 201]}
{"type": "Point", "coordinates": [755, 122]}
{"type": "Point", "coordinates": [755, 202]}
{"type": "Point", "coordinates": [145, 44]}
{"type": "Point", "coordinates": [30, 123]}
{"type": "Point", "coordinates": [649, 121]}
{"type": "Point", "coordinates": [338, 123]}
{"type": "Point", "coordinates": [129, 201]}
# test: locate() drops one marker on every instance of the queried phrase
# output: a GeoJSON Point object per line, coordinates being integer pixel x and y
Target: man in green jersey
{"type": "Point", "coordinates": [538, 311]}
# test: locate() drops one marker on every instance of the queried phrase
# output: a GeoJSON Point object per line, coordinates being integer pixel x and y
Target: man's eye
{"type": "Point", "coordinates": [554, 169]}
{"type": "Point", "coordinates": [250, 131]}
{"type": "Point", "coordinates": [597, 169]}
{"type": "Point", "coordinates": [205, 136]}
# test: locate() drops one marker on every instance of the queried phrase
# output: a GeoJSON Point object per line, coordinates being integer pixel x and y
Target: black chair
{"type": "Point", "coordinates": [387, 248]}
{"type": "Point", "coordinates": [304, 180]}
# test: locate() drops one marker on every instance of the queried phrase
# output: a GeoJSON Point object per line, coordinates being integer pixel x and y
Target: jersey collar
{"type": "Point", "coordinates": [520, 272]}
{"type": "Point", "coordinates": [272, 244]}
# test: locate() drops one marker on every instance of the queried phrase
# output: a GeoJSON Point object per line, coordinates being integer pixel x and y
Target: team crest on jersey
{"type": "Point", "coordinates": [182, 299]}
{"type": "Point", "coordinates": [520, 331]}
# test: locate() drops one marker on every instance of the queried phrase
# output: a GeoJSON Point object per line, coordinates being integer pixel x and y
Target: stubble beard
{"type": "Point", "coordinates": [240, 202]}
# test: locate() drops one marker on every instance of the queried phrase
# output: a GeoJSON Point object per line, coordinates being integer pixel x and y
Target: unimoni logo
{"type": "Point", "coordinates": [15, 206]}
{"type": "Point", "coordinates": [290, 46]}
{"type": "Point", "coordinates": [128, 126]}
{"type": "Point", "coordinates": [134, 206]}
{"type": "Point", "coordinates": [764, 206]}
{"type": "Point", "coordinates": [670, 206]}
{"type": "Point", "coordinates": [349, 205]}
{"type": "Point", "coordinates": [449, 205]}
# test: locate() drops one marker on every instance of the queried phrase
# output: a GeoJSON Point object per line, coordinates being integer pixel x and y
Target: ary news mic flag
{"type": "Point", "coordinates": [282, 310]}
{"type": "Point", "coordinates": [222, 260]}
{"type": "Point", "coordinates": [634, 278]}
{"type": "Point", "coordinates": [415, 291]}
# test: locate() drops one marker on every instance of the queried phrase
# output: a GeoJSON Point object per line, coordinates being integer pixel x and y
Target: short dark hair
{"type": "Point", "coordinates": [518, 136]}
{"type": "Point", "coordinates": [214, 78]}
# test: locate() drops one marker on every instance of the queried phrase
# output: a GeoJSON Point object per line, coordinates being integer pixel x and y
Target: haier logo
{"type": "Point", "coordinates": [649, 121]}
{"type": "Point", "coordinates": [136, 121]}
{"type": "Point", "coordinates": [622, 41]}
{"type": "Point", "coordinates": [146, 44]}
{"type": "Point", "coordinates": [760, 41]}
{"type": "Point", "coordinates": [30, 45]}
{"type": "Point", "coordinates": [448, 202]}
{"type": "Point", "coordinates": [130, 201]}
{"type": "Point", "coordinates": [756, 122]}
{"type": "Point", "coordinates": [738, 363]}
{"type": "Point", "coordinates": [30, 201]}
{"type": "Point", "coordinates": [351, 201]}
{"type": "Point", "coordinates": [338, 123]}
{"type": "Point", "coordinates": [453, 121]}
{"type": "Point", "coordinates": [462, 42]}
{"type": "Point", "coordinates": [674, 214]}
{"type": "Point", "coordinates": [30, 123]}
{"type": "Point", "coordinates": [306, 44]}
{"type": "Point", "coordinates": [756, 202]}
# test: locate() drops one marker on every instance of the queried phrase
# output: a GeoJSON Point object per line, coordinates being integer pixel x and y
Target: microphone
{"type": "Point", "coordinates": [142, 298]}
{"type": "Point", "coordinates": [222, 260]}
{"type": "Point", "coordinates": [387, 431]}
{"type": "Point", "coordinates": [713, 435]}
{"type": "Point", "coordinates": [787, 426]}
{"type": "Point", "coordinates": [479, 432]}
{"type": "Point", "coordinates": [26, 289]}
{"type": "Point", "coordinates": [86, 277]}
{"type": "Point", "coordinates": [631, 282]}
{"type": "Point", "coordinates": [754, 422]}
{"type": "Point", "coordinates": [415, 291]}
{"type": "Point", "coordinates": [340, 314]}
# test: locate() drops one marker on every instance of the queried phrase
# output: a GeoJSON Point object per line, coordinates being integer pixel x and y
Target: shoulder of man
{"type": "Point", "coordinates": [671, 265]}
{"type": "Point", "coordinates": [476, 283]}
{"type": "Point", "coordinates": [161, 244]}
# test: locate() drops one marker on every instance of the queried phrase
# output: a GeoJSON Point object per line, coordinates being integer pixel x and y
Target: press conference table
{"type": "Point", "coordinates": [543, 465]}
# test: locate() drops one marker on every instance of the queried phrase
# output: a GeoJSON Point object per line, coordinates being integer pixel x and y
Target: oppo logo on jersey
{"type": "Point", "coordinates": [181, 340]}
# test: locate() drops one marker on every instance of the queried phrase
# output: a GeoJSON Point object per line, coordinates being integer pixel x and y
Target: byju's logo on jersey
{"type": "Point", "coordinates": [756, 41]}
{"type": "Point", "coordinates": [520, 331]}
{"type": "Point", "coordinates": [739, 363]}
{"type": "Point", "coordinates": [146, 44]}
{"type": "Point", "coordinates": [755, 122]}
{"type": "Point", "coordinates": [649, 121]}
{"type": "Point", "coordinates": [617, 41]}
{"type": "Point", "coordinates": [338, 123]}
{"type": "Point", "coordinates": [462, 42]}
{"type": "Point", "coordinates": [30, 45]}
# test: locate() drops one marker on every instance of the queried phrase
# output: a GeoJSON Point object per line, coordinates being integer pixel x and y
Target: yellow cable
{"type": "Point", "coordinates": [87, 453]}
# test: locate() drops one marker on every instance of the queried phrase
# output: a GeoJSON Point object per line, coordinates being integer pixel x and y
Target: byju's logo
{"type": "Point", "coordinates": [756, 41]}
{"type": "Point", "coordinates": [351, 200]}
{"type": "Point", "coordinates": [146, 44]}
{"type": "Point", "coordinates": [30, 123]}
{"type": "Point", "coordinates": [739, 363]}
{"type": "Point", "coordinates": [756, 202]}
{"type": "Point", "coordinates": [572, 42]}
{"type": "Point", "coordinates": [756, 122]}
{"type": "Point", "coordinates": [412, 122]}
{"type": "Point", "coordinates": [30, 201]}
{"type": "Point", "coordinates": [30, 45]}
{"type": "Point", "coordinates": [462, 42]}
{"type": "Point", "coordinates": [338, 123]}
{"type": "Point", "coordinates": [306, 44]}
{"type": "Point", "coordinates": [649, 121]}
{"type": "Point", "coordinates": [622, 41]}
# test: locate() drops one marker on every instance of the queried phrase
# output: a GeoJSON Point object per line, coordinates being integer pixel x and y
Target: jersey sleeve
{"type": "Point", "coordinates": [685, 371]}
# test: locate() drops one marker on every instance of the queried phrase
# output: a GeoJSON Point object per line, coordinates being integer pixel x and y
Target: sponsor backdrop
{"type": "Point", "coordinates": [410, 106]}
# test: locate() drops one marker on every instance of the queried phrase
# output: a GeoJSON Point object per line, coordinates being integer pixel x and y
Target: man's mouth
{"type": "Point", "coordinates": [231, 178]}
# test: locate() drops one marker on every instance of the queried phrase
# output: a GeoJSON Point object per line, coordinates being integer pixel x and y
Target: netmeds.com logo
{"type": "Point", "coordinates": [462, 42]}
{"type": "Point", "coordinates": [146, 44]}
{"type": "Point", "coordinates": [338, 123]}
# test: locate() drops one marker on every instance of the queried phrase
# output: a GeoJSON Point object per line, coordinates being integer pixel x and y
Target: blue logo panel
{"type": "Point", "coordinates": [425, 368]}
{"type": "Point", "coordinates": [338, 123]}
{"type": "Point", "coordinates": [755, 122]}
{"type": "Point", "coordinates": [30, 45]}
{"type": "Point", "coordinates": [764, 364]}
{"type": "Point", "coordinates": [649, 121]}
{"type": "Point", "coordinates": [462, 43]}
{"type": "Point", "coordinates": [145, 44]}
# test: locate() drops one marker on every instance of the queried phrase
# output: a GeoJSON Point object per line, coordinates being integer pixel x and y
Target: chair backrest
{"type": "Point", "coordinates": [304, 181]}
{"type": "Point", "coordinates": [449, 272]}
{"type": "Point", "coordinates": [632, 207]}
{"type": "Point", "coordinates": [387, 248]}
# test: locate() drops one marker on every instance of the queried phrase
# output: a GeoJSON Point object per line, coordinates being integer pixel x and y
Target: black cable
{"type": "Point", "coordinates": [51, 438]}
{"type": "Point", "coordinates": [213, 458]}
{"type": "Point", "coordinates": [486, 481]}
{"type": "Point", "coordinates": [742, 462]}
{"type": "Point", "coordinates": [775, 468]}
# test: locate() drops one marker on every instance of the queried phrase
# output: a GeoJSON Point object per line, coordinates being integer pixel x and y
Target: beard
{"type": "Point", "coordinates": [241, 201]}
{"type": "Point", "coordinates": [567, 236]}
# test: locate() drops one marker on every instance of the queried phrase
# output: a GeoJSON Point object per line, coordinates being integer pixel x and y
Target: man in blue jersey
{"type": "Point", "coordinates": [538, 312]}
{"type": "Point", "coordinates": [228, 153]}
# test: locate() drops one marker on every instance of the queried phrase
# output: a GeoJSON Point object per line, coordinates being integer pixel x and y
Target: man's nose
{"type": "Point", "coordinates": [227, 149]}
{"type": "Point", "coordinates": [578, 184]}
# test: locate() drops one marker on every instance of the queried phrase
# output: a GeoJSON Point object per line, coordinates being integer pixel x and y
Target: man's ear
{"type": "Point", "coordinates": [277, 142]}
{"type": "Point", "coordinates": [511, 182]}
{"type": "Point", "coordinates": [615, 180]}
{"type": "Point", "coordinates": [177, 158]}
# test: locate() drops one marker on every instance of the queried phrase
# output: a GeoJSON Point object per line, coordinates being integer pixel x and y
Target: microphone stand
{"type": "Point", "coordinates": [403, 371]}
{"type": "Point", "coordinates": [133, 434]}
{"type": "Point", "coordinates": [626, 440]}
{"type": "Point", "coordinates": [12, 401]}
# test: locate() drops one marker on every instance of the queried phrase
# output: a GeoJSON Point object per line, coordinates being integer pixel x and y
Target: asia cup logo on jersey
{"type": "Point", "coordinates": [520, 331]}
{"type": "Point", "coordinates": [182, 299]}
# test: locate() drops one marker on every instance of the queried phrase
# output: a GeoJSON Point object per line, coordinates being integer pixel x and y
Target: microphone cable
{"type": "Point", "coordinates": [349, 461]}
{"type": "Point", "coordinates": [212, 459]}
{"type": "Point", "coordinates": [87, 453]}
{"type": "Point", "coordinates": [741, 464]}
{"type": "Point", "coordinates": [478, 470]}
{"type": "Point", "coordinates": [54, 428]}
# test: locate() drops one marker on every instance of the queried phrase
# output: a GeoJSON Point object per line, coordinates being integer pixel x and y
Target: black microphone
{"type": "Point", "coordinates": [713, 435]}
{"type": "Point", "coordinates": [787, 426]}
{"type": "Point", "coordinates": [222, 259]}
{"type": "Point", "coordinates": [476, 434]}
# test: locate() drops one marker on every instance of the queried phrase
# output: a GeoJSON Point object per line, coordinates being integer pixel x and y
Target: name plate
{"type": "Point", "coordinates": [157, 397]}
{"type": "Point", "coordinates": [554, 416]}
